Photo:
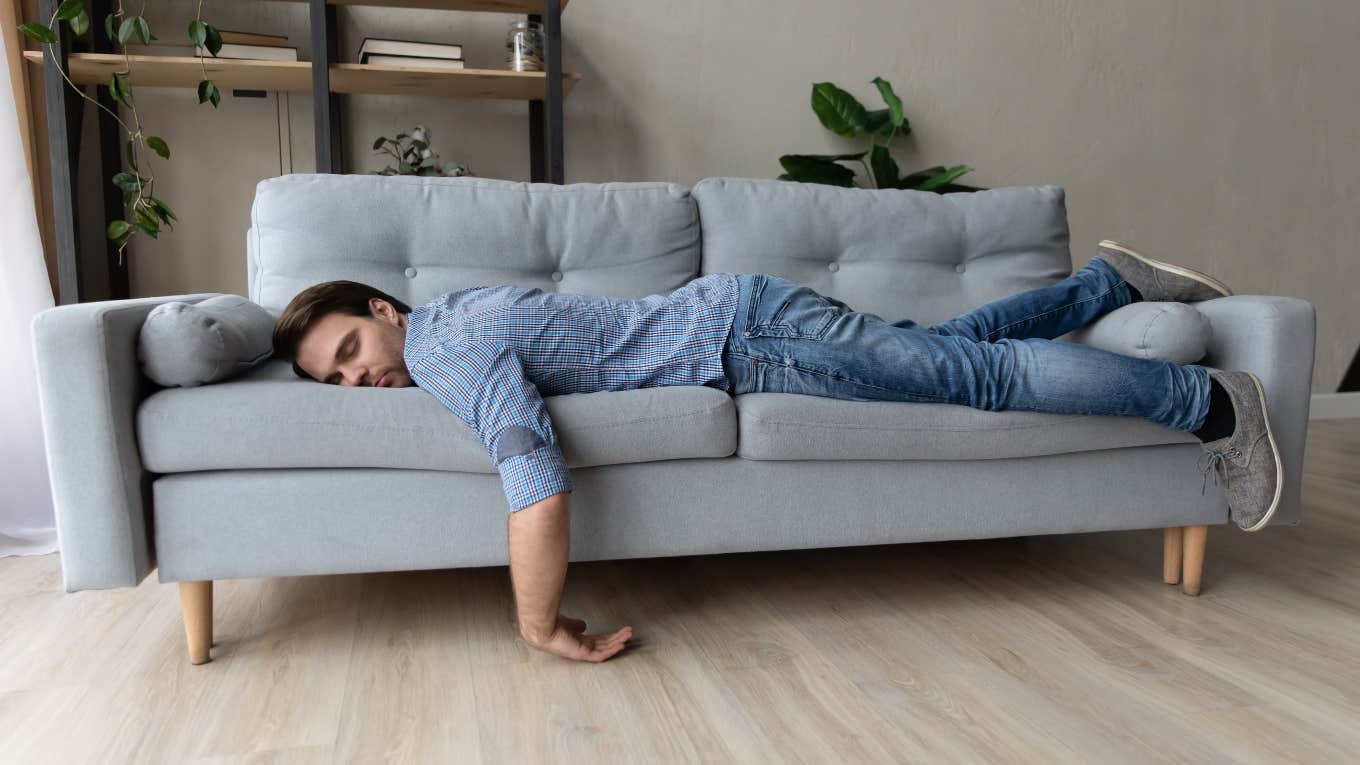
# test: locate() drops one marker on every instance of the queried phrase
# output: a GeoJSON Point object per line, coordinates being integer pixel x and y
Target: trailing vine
{"type": "Point", "coordinates": [147, 212]}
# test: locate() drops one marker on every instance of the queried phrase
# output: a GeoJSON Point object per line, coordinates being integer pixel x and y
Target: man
{"type": "Point", "coordinates": [489, 353]}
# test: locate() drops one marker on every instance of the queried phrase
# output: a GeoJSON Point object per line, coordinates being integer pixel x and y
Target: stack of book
{"type": "Point", "coordinates": [409, 53]}
{"type": "Point", "coordinates": [256, 46]}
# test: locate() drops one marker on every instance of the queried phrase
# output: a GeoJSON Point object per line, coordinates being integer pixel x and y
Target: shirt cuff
{"type": "Point", "coordinates": [532, 477]}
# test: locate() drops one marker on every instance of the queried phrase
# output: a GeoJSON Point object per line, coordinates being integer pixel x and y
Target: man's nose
{"type": "Point", "coordinates": [353, 377]}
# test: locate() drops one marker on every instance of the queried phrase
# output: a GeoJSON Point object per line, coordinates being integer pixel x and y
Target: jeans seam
{"type": "Point", "coordinates": [1048, 313]}
{"type": "Point", "coordinates": [820, 373]}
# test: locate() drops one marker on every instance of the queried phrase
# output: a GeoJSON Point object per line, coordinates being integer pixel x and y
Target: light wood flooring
{"type": "Point", "coordinates": [1041, 649]}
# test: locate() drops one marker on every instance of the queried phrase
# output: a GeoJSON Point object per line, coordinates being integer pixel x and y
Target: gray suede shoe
{"type": "Point", "coordinates": [1248, 459]}
{"type": "Point", "coordinates": [1160, 281]}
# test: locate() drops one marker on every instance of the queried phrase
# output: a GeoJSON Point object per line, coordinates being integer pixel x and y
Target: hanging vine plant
{"type": "Point", "coordinates": [145, 213]}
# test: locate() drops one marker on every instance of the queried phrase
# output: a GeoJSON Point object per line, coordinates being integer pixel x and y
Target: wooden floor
{"type": "Point", "coordinates": [1040, 649]}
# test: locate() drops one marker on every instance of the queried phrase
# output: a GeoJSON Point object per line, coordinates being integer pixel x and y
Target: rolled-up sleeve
{"type": "Point", "coordinates": [484, 384]}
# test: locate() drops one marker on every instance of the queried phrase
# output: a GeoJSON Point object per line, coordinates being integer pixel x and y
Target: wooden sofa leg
{"type": "Point", "coordinates": [195, 601]}
{"type": "Point", "coordinates": [1171, 554]}
{"type": "Point", "coordinates": [1195, 538]}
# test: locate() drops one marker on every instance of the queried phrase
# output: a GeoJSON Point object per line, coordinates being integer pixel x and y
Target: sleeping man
{"type": "Point", "coordinates": [489, 353]}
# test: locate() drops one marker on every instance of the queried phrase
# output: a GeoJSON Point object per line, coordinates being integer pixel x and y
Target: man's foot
{"type": "Point", "coordinates": [1248, 459]}
{"type": "Point", "coordinates": [1160, 281]}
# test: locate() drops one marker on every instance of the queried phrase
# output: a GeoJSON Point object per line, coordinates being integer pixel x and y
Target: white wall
{"type": "Point", "coordinates": [1217, 133]}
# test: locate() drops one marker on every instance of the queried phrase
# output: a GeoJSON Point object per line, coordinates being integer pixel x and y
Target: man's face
{"type": "Point", "coordinates": [358, 350]}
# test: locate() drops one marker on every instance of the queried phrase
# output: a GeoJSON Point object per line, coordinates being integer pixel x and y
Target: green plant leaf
{"type": "Point", "coordinates": [81, 24]}
{"type": "Point", "coordinates": [946, 177]}
{"type": "Point", "coordinates": [198, 32]}
{"type": "Point", "coordinates": [379, 143]}
{"type": "Point", "coordinates": [213, 41]}
{"type": "Point", "coordinates": [920, 176]}
{"type": "Point", "coordinates": [118, 89]}
{"type": "Point", "coordinates": [813, 169]}
{"type": "Point", "coordinates": [207, 91]}
{"type": "Point", "coordinates": [884, 167]}
{"type": "Point", "coordinates": [39, 32]}
{"type": "Point", "coordinates": [163, 209]}
{"type": "Point", "coordinates": [890, 98]}
{"type": "Point", "coordinates": [839, 111]}
{"type": "Point", "coordinates": [158, 145]}
{"type": "Point", "coordinates": [108, 27]}
{"type": "Point", "coordinates": [148, 224]}
{"type": "Point", "coordinates": [127, 182]}
{"type": "Point", "coordinates": [143, 30]}
{"type": "Point", "coordinates": [69, 9]}
{"type": "Point", "coordinates": [427, 170]}
{"type": "Point", "coordinates": [126, 29]}
{"type": "Point", "coordinates": [117, 229]}
{"type": "Point", "coordinates": [132, 156]}
{"type": "Point", "coordinates": [858, 155]}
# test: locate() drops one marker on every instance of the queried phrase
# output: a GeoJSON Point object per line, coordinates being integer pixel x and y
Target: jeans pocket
{"type": "Point", "coordinates": [805, 315]}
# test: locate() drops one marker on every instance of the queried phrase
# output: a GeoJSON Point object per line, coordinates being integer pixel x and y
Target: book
{"type": "Point", "coordinates": [409, 48]}
{"type": "Point", "coordinates": [252, 38]}
{"type": "Point", "coordinates": [262, 52]}
{"type": "Point", "coordinates": [425, 61]}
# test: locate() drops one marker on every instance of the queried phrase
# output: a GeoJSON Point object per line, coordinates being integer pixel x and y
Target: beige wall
{"type": "Point", "coordinates": [1219, 134]}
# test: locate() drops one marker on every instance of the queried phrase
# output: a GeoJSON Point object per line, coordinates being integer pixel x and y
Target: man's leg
{"type": "Point", "coordinates": [800, 342]}
{"type": "Point", "coordinates": [1046, 312]}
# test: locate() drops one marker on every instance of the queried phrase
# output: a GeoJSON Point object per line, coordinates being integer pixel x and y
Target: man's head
{"type": "Point", "coordinates": [345, 333]}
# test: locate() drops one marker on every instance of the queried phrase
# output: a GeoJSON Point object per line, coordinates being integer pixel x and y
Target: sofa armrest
{"type": "Point", "coordinates": [1274, 337]}
{"type": "Point", "coordinates": [89, 386]}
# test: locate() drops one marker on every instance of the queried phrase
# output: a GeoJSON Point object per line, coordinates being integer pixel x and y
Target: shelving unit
{"type": "Point", "coordinates": [296, 76]}
{"type": "Point", "coordinates": [325, 77]}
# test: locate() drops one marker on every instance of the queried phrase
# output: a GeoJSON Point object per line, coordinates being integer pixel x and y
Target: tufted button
{"type": "Point", "coordinates": [833, 266]}
{"type": "Point", "coordinates": [410, 273]}
{"type": "Point", "coordinates": [959, 268]}
{"type": "Point", "coordinates": [557, 276]}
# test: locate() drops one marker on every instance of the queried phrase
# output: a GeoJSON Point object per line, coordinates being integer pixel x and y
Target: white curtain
{"type": "Point", "coordinates": [26, 519]}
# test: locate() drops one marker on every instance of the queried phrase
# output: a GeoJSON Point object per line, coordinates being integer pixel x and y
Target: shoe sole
{"type": "Point", "coordinates": [1202, 278]}
{"type": "Point", "coordinates": [1274, 450]}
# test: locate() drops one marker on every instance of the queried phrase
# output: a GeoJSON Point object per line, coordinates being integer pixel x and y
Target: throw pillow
{"type": "Point", "coordinates": [1150, 330]}
{"type": "Point", "coordinates": [188, 344]}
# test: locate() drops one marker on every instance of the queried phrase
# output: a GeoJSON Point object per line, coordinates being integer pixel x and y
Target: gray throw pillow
{"type": "Point", "coordinates": [188, 344]}
{"type": "Point", "coordinates": [1150, 330]}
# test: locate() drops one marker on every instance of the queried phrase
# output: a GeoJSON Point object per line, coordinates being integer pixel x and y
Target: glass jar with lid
{"type": "Point", "coordinates": [524, 46]}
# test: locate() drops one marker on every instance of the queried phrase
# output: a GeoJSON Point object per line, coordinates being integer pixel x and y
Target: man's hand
{"type": "Point", "coordinates": [568, 641]}
{"type": "Point", "coordinates": [539, 537]}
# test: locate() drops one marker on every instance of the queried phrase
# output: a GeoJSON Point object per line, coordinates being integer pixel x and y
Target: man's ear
{"type": "Point", "coordinates": [381, 309]}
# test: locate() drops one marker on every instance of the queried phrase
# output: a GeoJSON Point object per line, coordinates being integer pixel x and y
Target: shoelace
{"type": "Point", "coordinates": [1207, 462]}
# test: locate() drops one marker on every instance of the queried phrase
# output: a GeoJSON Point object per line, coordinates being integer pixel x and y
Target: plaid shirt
{"type": "Point", "coordinates": [490, 353]}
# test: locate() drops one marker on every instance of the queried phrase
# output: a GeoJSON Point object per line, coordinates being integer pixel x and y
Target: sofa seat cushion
{"type": "Point", "coordinates": [791, 426]}
{"type": "Point", "coordinates": [270, 418]}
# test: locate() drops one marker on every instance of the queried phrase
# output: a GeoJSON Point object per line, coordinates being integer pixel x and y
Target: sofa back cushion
{"type": "Point", "coordinates": [894, 253]}
{"type": "Point", "coordinates": [418, 237]}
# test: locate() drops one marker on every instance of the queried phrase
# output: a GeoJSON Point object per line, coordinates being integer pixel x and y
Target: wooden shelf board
{"type": "Point", "coordinates": [485, 6]}
{"type": "Point", "coordinates": [296, 76]}
{"type": "Point", "coordinates": [449, 83]}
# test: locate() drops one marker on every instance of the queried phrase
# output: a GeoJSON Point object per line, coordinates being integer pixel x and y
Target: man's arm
{"type": "Point", "coordinates": [540, 537]}
{"type": "Point", "coordinates": [486, 386]}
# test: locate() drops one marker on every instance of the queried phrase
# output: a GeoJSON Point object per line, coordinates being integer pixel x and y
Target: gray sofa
{"type": "Point", "coordinates": [270, 475]}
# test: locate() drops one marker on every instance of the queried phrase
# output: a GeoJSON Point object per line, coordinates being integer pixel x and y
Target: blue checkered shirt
{"type": "Point", "coordinates": [490, 353]}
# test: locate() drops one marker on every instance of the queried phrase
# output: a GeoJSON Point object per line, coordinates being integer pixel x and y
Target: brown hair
{"type": "Point", "coordinates": [314, 303]}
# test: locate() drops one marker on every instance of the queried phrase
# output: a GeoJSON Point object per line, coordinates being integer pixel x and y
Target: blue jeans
{"type": "Point", "coordinates": [788, 338]}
